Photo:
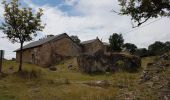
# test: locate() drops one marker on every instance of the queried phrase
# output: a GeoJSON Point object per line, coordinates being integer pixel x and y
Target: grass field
{"type": "Point", "coordinates": [37, 83]}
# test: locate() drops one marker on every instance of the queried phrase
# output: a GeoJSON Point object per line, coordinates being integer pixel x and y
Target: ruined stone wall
{"type": "Point", "coordinates": [43, 55]}
{"type": "Point", "coordinates": [91, 48]}
{"type": "Point", "coordinates": [106, 47]}
{"type": "Point", "coordinates": [66, 47]}
{"type": "Point", "coordinates": [55, 51]}
{"type": "Point", "coordinates": [26, 56]}
{"type": "Point", "coordinates": [29, 55]}
{"type": "Point", "coordinates": [51, 52]}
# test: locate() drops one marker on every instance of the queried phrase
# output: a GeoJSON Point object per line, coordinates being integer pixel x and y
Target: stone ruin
{"type": "Point", "coordinates": [101, 62]}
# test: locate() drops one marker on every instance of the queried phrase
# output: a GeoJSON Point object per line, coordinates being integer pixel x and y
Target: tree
{"type": "Point", "coordinates": [20, 24]}
{"type": "Point", "coordinates": [143, 10]}
{"type": "Point", "coordinates": [157, 47]}
{"type": "Point", "coordinates": [142, 52]}
{"type": "Point", "coordinates": [130, 47]}
{"type": "Point", "coordinates": [75, 39]}
{"type": "Point", "coordinates": [167, 46]}
{"type": "Point", "coordinates": [116, 42]}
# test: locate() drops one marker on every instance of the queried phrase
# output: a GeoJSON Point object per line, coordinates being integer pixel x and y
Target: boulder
{"type": "Point", "coordinates": [102, 83]}
{"type": "Point", "coordinates": [70, 67]}
{"type": "Point", "coordinates": [108, 63]}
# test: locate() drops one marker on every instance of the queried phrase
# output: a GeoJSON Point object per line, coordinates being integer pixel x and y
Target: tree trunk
{"type": "Point", "coordinates": [1, 58]}
{"type": "Point", "coordinates": [21, 52]}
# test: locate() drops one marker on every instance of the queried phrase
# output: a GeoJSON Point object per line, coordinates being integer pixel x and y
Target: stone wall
{"type": "Point", "coordinates": [93, 47]}
{"type": "Point", "coordinates": [66, 47]}
{"type": "Point", "coordinates": [110, 62]}
{"type": "Point", "coordinates": [51, 52]}
{"type": "Point", "coordinates": [55, 51]}
{"type": "Point", "coordinates": [26, 56]}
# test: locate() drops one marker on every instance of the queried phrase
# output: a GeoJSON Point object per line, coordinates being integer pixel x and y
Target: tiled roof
{"type": "Point", "coordinates": [42, 41]}
{"type": "Point", "coordinates": [104, 43]}
{"type": "Point", "coordinates": [89, 41]}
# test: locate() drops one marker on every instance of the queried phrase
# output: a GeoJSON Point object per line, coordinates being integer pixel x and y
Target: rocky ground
{"type": "Point", "coordinates": [156, 77]}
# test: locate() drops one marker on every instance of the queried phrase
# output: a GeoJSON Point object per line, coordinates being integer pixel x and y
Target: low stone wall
{"type": "Point", "coordinates": [108, 62]}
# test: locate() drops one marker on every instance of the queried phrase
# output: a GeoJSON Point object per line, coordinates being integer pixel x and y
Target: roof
{"type": "Point", "coordinates": [93, 40]}
{"type": "Point", "coordinates": [89, 41]}
{"type": "Point", "coordinates": [104, 43]}
{"type": "Point", "coordinates": [42, 41]}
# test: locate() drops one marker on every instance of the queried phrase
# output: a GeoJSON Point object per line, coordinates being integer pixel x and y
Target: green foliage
{"type": "Point", "coordinates": [157, 48]}
{"type": "Point", "coordinates": [142, 52]}
{"type": "Point", "coordinates": [116, 42]}
{"type": "Point", "coordinates": [120, 65]}
{"type": "Point", "coordinates": [29, 75]}
{"type": "Point", "coordinates": [20, 24]}
{"type": "Point", "coordinates": [75, 39]}
{"type": "Point", "coordinates": [167, 46]}
{"type": "Point", "coordinates": [142, 10]}
{"type": "Point", "coordinates": [130, 47]}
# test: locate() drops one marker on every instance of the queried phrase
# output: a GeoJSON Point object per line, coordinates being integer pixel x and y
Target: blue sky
{"type": "Point", "coordinates": [89, 19]}
{"type": "Point", "coordinates": [53, 3]}
{"type": "Point", "coordinates": [61, 4]}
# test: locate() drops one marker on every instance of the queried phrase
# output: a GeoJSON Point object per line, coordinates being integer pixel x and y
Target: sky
{"type": "Point", "coordinates": [89, 19]}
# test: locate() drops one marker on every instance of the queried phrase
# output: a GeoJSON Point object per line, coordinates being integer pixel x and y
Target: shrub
{"type": "Point", "coordinates": [33, 74]}
{"type": "Point", "coordinates": [120, 65]}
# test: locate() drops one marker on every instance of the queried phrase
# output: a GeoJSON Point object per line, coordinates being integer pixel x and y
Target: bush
{"type": "Point", "coordinates": [120, 65]}
{"type": "Point", "coordinates": [33, 74]}
{"type": "Point", "coordinates": [127, 65]}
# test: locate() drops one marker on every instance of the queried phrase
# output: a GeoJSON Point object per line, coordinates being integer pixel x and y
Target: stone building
{"type": "Point", "coordinates": [50, 50]}
{"type": "Point", "coordinates": [93, 46]}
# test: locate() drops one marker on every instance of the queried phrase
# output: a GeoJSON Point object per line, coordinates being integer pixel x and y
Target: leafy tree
{"type": "Point", "coordinates": [142, 10]}
{"type": "Point", "coordinates": [130, 47]}
{"type": "Point", "coordinates": [157, 47]}
{"type": "Point", "coordinates": [75, 39]}
{"type": "Point", "coordinates": [167, 46]}
{"type": "Point", "coordinates": [20, 24]}
{"type": "Point", "coordinates": [116, 42]}
{"type": "Point", "coordinates": [142, 52]}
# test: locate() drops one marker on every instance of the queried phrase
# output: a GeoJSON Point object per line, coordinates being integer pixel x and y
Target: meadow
{"type": "Point", "coordinates": [37, 83]}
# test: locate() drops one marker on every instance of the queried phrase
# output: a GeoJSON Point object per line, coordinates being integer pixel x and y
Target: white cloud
{"type": "Point", "coordinates": [94, 18]}
{"type": "Point", "coordinates": [1, 11]}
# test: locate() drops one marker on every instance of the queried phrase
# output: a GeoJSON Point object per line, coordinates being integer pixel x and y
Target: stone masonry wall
{"type": "Point", "coordinates": [91, 48]}
{"type": "Point", "coordinates": [51, 52]}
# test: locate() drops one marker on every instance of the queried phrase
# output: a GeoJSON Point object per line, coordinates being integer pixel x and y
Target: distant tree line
{"type": "Point", "coordinates": [117, 45]}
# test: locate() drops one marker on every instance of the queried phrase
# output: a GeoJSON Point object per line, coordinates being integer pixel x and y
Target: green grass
{"type": "Point", "coordinates": [55, 85]}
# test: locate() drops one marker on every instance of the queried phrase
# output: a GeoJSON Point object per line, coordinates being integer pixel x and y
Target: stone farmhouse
{"type": "Point", "coordinates": [48, 51]}
{"type": "Point", "coordinates": [92, 46]}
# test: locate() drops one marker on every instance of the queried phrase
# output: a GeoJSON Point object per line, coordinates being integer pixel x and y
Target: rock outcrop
{"type": "Point", "coordinates": [156, 77]}
{"type": "Point", "coordinates": [108, 63]}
